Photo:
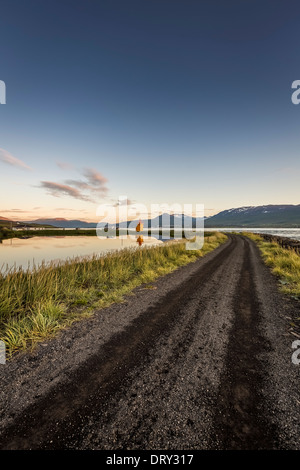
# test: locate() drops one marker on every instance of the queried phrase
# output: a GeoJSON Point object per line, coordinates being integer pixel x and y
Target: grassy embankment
{"type": "Point", "coordinates": [7, 234]}
{"type": "Point", "coordinates": [284, 263]}
{"type": "Point", "coordinates": [35, 304]}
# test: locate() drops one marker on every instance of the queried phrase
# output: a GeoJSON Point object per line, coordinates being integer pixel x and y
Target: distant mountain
{"type": "Point", "coordinates": [4, 222]}
{"type": "Point", "coordinates": [64, 223]}
{"type": "Point", "coordinates": [257, 216]}
{"type": "Point", "coordinates": [164, 221]}
{"type": "Point", "coordinates": [249, 216]}
{"type": "Point", "coordinates": [8, 223]}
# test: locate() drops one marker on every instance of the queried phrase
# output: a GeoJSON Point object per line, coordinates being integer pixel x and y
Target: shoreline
{"type": "Point", "coordinates": [35, 305]}
{"type": "Point", "coordinates": [147, 366]}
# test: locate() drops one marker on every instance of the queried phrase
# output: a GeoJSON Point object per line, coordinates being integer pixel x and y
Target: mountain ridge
{"type": "Point", "coordinates": [269, 215]}
{"type": "Point", "coordinates": [264, 216]}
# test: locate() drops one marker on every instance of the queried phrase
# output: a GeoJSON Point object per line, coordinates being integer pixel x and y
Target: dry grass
{"type": "Point", "coordinates": [284, 263]}
{"type": "Point", "coordinates": [36, 304]}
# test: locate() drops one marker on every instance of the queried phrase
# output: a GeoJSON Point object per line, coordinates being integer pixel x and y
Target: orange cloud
{"type": "Point", "coordinates": [93, 185]}
{"type": "Point", "coordinates": [8, 158]}
{"type": "Point", "coordinates": [57, 189]}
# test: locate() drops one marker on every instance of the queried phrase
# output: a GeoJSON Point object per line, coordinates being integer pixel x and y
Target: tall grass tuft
{"type": "Point", "coordinates": [284, 263]}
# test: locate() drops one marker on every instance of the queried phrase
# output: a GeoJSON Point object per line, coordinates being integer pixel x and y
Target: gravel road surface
{"type": "Point", "coordinates": [199, 359]}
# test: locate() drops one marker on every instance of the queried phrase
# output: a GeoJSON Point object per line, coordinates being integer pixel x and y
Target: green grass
{"type": "Point", "coordinates": [5, 234]}
{"type": "Point", "coordinates": [35, 304]}
{"type": "Point", "coordinates": [284, 263]}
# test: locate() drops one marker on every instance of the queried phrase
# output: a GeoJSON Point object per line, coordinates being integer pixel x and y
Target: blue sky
{"type": "Point", "coordinates": [164, 101]}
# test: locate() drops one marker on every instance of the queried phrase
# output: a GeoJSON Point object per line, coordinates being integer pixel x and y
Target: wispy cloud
{"type": "Point", "coordinates": [8, 158]}
{"type": "Point", "coordinates": [91, 186]}
{"type": "Point", "coordinates": [57, 190]}
{"type": "Point", "coordinates": [288, 170]}
{"type": "Point", "coordinates": [94, 182]}
{"type": "Point", "coordinates": [124, 202]}
{"type": "Point", "coordinates": [64, 165]}
{"type": "Point", "coordinates": [13, 210]}
{"type": "Point", "coordinates": [68, 209]}
{"type": "Point", "coordinates": [95, 178]}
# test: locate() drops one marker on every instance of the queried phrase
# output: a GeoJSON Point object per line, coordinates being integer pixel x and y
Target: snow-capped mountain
{"type": "Point", "coordinates": [287, 215]}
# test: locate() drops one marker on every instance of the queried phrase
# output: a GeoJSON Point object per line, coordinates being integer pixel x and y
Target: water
{"type": "Point", "coordinates": [26, 253]}
{"type": "Point", "coordinates": [280, 232]}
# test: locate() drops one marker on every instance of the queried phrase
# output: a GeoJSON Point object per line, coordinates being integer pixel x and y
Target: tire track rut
{"type": "Point", "coordinates": [55, 420]}
{"type": "Point", "coordinates": [190, 372]}
{"type": "Point", "coordinates": [241, 419]}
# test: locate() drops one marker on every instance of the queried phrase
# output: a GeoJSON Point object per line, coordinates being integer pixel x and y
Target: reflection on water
{"type": "Point", "coordinates": [26, 253]}
{"type": "Point", "coordinates": [140, 240]}
{"type": "Point", "coordinates": [34, 251]}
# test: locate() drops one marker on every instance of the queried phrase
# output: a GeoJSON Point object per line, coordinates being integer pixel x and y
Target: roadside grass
{"type": "Point", "coordinates": [6, 233]}
{"type": "Point", "coordinates": [284, 263]}
{"type": "Point", "coordinates": [35, 304]}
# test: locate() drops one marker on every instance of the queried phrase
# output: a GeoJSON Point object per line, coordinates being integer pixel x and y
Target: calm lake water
{"type": "Point", "coordinates": [26, 253]}
{"type": "Point", "coordinates": [281, 232]}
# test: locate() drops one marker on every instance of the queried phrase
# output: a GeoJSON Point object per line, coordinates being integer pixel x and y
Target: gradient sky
{"type": "Point", "coordinates": [164, 101]}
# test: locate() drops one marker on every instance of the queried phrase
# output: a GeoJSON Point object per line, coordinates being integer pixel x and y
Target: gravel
{"type": "Point", "coordinates": [167, 368]}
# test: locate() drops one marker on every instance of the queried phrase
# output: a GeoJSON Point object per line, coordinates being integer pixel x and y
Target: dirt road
{"type": "Point", "coordinates": [201, 359]}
